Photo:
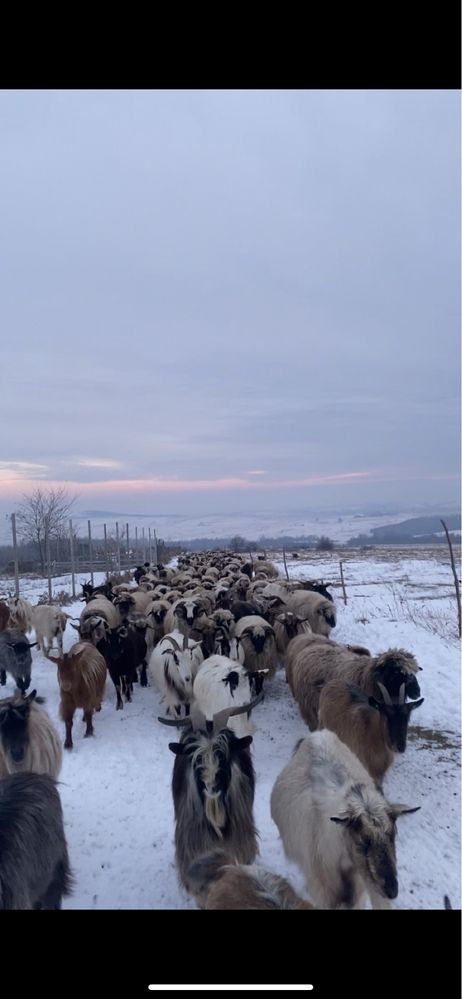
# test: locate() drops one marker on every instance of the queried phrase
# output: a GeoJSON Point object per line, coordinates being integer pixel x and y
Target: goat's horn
{"type": "Point", "coordinates": [174, 642]}
{"type": "Point", "coordinates": [402, 693]}
{"type": "Point", "coordinates": [220, 719]}
{"type": "Point", "coordinates": [386, 696]}
{"type": "Point", "coordinates": [174, 721]}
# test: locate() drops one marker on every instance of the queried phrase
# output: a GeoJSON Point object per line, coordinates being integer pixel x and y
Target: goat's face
{"type": "Point", "coordinates": [396, 667]}
{"type": "Point", "coordinates": [369, 824]}
{"type": "Point", "coordinates": [327, 614]}
{"type": "Point", "coordinates": [124, 603]}
{"type": "Point", "coordinates": [257, 636]}
{"type": "Point", "coordinates": [210, 758]}
{"type": "Point", "coordinates": [14, 716]}
{"type": "Point", "coordinates": [20, 650]}
{"type": "Point", "coordinates": [397, 719]}
{"type": "Point", "coordinates": [189, 611]}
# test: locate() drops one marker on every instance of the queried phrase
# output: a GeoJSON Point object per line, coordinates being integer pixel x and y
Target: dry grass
{"type": "Point", "coordinates": [435, 620]}
{"type": "Point", "coordinates": [62, 599]}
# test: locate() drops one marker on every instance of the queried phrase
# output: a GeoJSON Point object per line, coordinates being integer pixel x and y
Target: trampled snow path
{"type": "Point", "coordinates": [115, 788]}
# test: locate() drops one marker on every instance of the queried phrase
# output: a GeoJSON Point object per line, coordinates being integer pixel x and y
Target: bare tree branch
{"type": "Point", "coordinates": [44, 512]}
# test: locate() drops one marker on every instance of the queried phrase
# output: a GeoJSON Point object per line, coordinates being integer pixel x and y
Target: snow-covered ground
{"type": "Point", "coordinates": [115, 788]}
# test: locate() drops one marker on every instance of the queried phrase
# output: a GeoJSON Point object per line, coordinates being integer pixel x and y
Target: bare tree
{"type": "Point", "coordinates": [44, 513]}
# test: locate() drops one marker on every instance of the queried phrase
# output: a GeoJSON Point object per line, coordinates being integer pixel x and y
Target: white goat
{"type": "Point", "coordinates": [221, 683]}
{"type": "Point", "coordinates": [336, 825]}
{"type": "Point", "coordinates": [172, 667]}
{"type": "Point", "coordinates": [49, 623]}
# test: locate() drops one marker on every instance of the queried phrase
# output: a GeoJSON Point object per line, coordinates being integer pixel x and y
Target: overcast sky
{"type": "Point", "coordinates": [221, 299]}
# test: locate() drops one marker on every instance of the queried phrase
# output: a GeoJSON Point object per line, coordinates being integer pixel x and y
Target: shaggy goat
{"type": "Point", "coordinates": [336, 825]}
{"type": "Point", "coordinates": [373, 730]}
{"type": "Point", "coordinates": [28, 739]}
{"type": "Point", "coordinates": [172, 667]}
{"type": "Point", "coordinates": [225, 884]}
{"type": "Point", "coordinates": [213, 789]}
{"type": "Point", "coordinates": [82, 678]}
{"type": "Point", "coordinates": [221, 683]}
{"type": "Point", "coordinates": [34, 862]}
{"type": "Point", "coordinates": [20, 614]}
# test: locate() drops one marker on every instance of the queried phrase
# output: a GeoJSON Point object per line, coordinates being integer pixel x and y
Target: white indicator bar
{"type": "Point", "coordinates": [230, 988]}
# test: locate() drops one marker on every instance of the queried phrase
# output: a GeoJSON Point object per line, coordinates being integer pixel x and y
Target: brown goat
{"type": "Point", "coordinates": [373, 730]}
{"type": "Point", "coordinates": [319, 660]}
{"type": "Point", "coordinates": [81, 677]}
{"type": "Point", "coordinates": [221, 883]}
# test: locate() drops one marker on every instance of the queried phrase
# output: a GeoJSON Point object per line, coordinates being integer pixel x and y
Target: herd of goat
{"type": "Point", "coordinates": [210, 635]}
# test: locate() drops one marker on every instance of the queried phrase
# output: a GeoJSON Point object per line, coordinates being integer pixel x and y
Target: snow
{"type": "Point", "coordinates": [115, 788]}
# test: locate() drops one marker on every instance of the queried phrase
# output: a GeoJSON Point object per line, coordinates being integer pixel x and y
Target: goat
{"type": "Point", "coordinates": [263, 566]}
{"type": "Point", "coordinates": [98, 607]}
{"type": "Point", "coordinates": [28, 739]}
{"type": "Point", "coordinates": [34, 866]}
{"type": "Point", "coordinates": [316, 609]}
{"type": "Point", "coordinates": [316, 587]}
{"type": "Point", "coordinates": [15, 657]}
{"type": "Point", "coordinates": [221, 683]}
{"type": "Point", "coordinates": [155, 613]}
{"type": "Point", "coordinates": [286, 627]}
{"type": "Point", "coordinates": [257, 639]}
{"type": "Point", "coordinates": [82, 678]}
{"type": "Point", "coordinates": [213, 789]}
{"type": "Point", "coordinates": [373, 730]}
{"type": "Point", "coordinates": [49, 623]}
{"type": "Point", "coordinates": [184, 615]}
{"type": "Point", "coordinates": [20, 614]}
{"type": "Point", "coordinates": [225, 884]}
{"type": "Point", "coordinates": [124, 649]}
{"type": "Point", "coordinates": [172, 667]}
{"type": "Point", "coordinates": [319, 660]}
{"type": "Point", "coordinates": [336, 825]}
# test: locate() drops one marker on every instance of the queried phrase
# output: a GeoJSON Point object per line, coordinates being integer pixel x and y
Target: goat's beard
{"type": "Point", "coordinates": [215, 812]}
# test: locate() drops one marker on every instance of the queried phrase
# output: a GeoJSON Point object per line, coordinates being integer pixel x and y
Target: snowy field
{"type": "Point", "coordinates": [115, 788]}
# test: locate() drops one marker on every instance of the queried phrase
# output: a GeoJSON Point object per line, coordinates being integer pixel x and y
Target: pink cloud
{"type": "Point", "coordinates": [9, 486]}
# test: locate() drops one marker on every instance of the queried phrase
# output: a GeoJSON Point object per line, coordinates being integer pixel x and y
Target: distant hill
{"type": "Point", "coordinates": [416, 530]}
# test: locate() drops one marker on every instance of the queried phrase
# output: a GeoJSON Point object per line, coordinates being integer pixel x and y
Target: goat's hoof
{"type": "Point", "coordinates": [68, 745]}
{"type": "Point", "coordinates": [88, 734]}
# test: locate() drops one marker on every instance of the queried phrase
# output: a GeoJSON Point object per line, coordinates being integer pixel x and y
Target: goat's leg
{"type": "Point", "coordinates": [87, 716]}
{"type": "Point", "coordinates": [68, 743]}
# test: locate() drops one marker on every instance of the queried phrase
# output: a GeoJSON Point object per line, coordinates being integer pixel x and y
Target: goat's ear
{"type": "Point", "coordinates": [244, 742]}
{"type": "Point", "coordinates": [415, 704]}
{"type": "Point", "coordinates": [336, 818]}
{"type": "Point", "coordinates": [31, 696]}
{"type": "Point", "coordinates": [31, 644]}
{"type": "Point", "coordinates": [399, 809]}
{"type": "Point", "coordinates": [176, 747]}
